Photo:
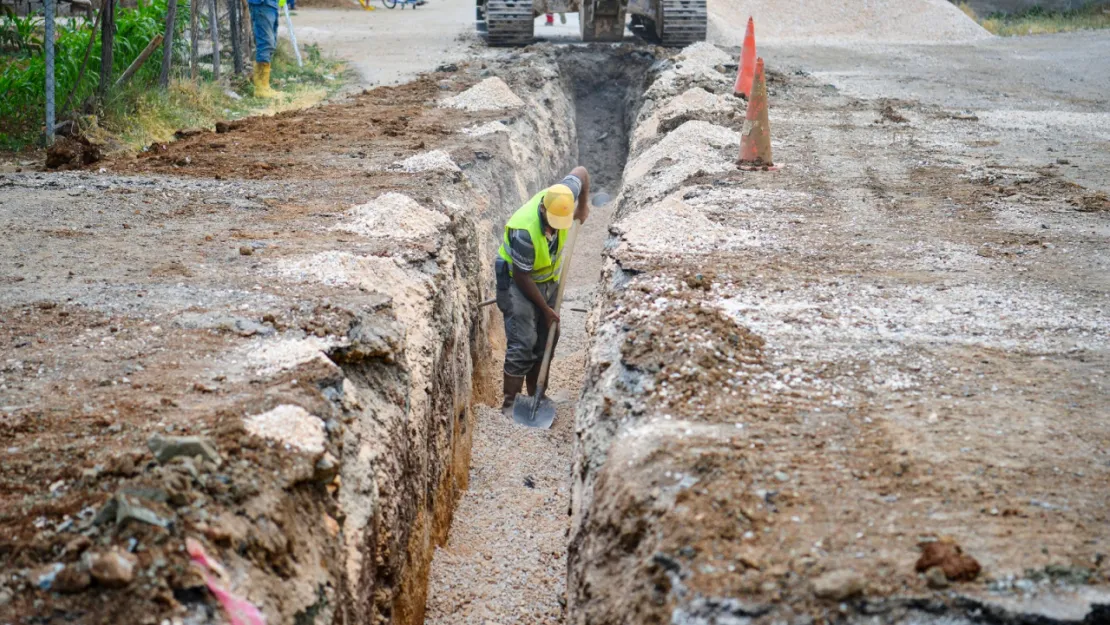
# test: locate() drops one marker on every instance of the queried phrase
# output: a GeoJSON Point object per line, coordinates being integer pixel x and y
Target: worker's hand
{"type": "Point", "coordinates": [550, 317]}
{"type": "Point", "coordinates": [582, 212]}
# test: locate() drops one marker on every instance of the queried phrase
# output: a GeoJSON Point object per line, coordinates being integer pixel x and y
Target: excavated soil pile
{"type": "Point", "coordinates": [842, 22]}
{"type": "Point", "coordinates": [859, 389]}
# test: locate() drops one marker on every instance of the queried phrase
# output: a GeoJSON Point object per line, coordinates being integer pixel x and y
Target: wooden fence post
{"type": "Point", "coordinates": [214, 26]}
{"type": "Point", "coordinates": [167, 44]}
{"type": "Point", "coordinates": [107, 42]}
{"type": "Point", "coordinates": [193, 42]}
{"type": "Point", "coordinates": [236, 36]}
{"type": "Point", "coordinates": [48, 45]}
{"type": "Point", "coordinates": [248, 30]}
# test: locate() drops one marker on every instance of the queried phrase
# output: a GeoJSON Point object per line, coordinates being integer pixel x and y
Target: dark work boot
{"type": "Point", "coordinates": [513, 385]}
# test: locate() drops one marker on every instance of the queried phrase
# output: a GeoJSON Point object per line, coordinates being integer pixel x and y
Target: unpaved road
{"type": "Point", "coordinates": [388, 47]}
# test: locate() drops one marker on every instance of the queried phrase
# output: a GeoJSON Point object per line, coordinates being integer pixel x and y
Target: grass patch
{"type": "Point", "coordinates": [138, 117]}
{"type": "Point", "coordinates": [1039, 21]}
{"type": "Point", "coordinates": [138, 113]}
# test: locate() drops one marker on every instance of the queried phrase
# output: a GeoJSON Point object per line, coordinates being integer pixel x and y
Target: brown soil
{"type": "Point", "coordinates": [96, 361]}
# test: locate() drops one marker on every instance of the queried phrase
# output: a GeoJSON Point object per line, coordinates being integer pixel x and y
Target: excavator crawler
{"type": "Point", "coordinates": [673, 23]}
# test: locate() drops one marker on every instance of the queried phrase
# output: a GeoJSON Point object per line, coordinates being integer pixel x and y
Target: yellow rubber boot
{"type": "Point", "coordinates": [261, 80]}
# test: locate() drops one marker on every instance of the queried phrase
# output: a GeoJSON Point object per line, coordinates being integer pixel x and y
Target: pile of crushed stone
{"type": "Point", "coordinates": [832, 22]}
{"type": "Point", "coordinates": [674, 226]}
{"type": "Point", "coordinates": [481, 130]}
{"type": "Point", "coordinates": [491, 94]}
{"type": "Point", "coordinates": [435, 160]}
{"type": "Point", "coordinates": [289, 425]}
{"type": "Point", "coordinates": [395, 216]}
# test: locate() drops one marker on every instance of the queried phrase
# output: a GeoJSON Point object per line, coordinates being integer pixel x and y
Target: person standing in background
{"type": "Point", "coordinates": [264, 22]}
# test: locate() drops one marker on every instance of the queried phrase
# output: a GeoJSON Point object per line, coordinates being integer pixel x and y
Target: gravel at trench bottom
{"type": "Point", "coordinates": [505, 560]}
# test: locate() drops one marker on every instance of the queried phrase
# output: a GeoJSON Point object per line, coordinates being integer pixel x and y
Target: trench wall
{"type": "Point", "coordinates": [407, 445]}
{"type": "Point", "coordinates": [617, 507]}
{"type": "Point", "coordinates": [330, 370]}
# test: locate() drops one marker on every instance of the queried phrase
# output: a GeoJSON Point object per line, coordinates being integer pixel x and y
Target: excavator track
{"type": "Point", "coordinates": [684, 22]}
{"type": "Point", "coordinates": [509, 22]}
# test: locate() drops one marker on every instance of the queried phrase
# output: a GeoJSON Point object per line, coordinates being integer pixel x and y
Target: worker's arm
{"type": "Point", "coordinates": [524, 282]}
{"type": "Point", "coordinates": [583, 210]}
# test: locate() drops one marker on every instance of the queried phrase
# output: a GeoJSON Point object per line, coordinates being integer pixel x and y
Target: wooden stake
{"type": "Point", "coordinates": [214, 25]}
{"type": "Point", "coordinates": [138, 62]}
{"type": "Point", "coordinates": [107, 41]}
{"type": "Point", "coordinates": [167, 48]}
{"type": "Point", "coordinates": [236, 36]}
{"type": "Point", "coordinates": [193, 42]}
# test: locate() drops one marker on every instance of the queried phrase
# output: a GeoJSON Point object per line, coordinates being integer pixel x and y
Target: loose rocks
{"type": "Point", "coordinates": [489, 95]}
{"type": "Point", "coordinates": [166, 448]}
{"type": "Point", "coordinates": [949, 557]}
{"type": "Point", "coordinates": [291, 425]}
{"type": "Point", "coordinates": [114, 569]}
{"type": "Point", "coordinates": [395, 215]}
{"type": "Point", "coordinates": [838, 585]}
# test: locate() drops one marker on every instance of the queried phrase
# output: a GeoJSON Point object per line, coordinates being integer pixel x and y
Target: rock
{"type": "Point", "coordinates": [185, 133]}
{"type": "Point", "coordinates": [936, 579]}
{"type": "Point", "coordinates": [447, 67]}
{"type": "Point", "coordinates": [245, 250]}
{"type": "Point", "coordinates": [327, 467]}
{"type": "Point", "coordinates": [73, 578]}
{"type": "Point", "coordinates": [119, 510]}
{"type": "Point", "coordinates": [77, 546]}
{"type": "Point", "coordinates": [331, 525]}
{"type": "Point", "coordinates": [838, 585]}
{"type": "Point", "coordinates": [222, 127]}
{"type": "Point", "coordinates": [782, 477]}
{"type": "Point", "coordinates": [371, 338]}
{"type": "Point", "coordinates": [166, 448]}
{"type": "Point", "coordinates": [44, 577]}
{"type": "Point", "coordinates": [946, 554]}
{"type": "Point", "coordinates": [114, 569]}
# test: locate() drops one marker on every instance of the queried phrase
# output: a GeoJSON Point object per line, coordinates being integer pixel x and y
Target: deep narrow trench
{"type": "Point", "coordinates": [505, 560]}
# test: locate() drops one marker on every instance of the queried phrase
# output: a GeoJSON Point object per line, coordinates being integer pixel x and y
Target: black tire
{"type": "Point", "coordinates": [389, 4]}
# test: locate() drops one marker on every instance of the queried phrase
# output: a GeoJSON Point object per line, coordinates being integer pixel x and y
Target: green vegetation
{"type": "Point", "coordinates": [1039, 21]}
{"type": "Point", "coordinates": [134, 114]}
{"type": "Point", "coordinates": [137, 116]}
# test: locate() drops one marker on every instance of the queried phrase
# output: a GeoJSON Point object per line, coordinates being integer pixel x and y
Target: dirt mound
{"type": "Point", "coordinates": [841, 21]}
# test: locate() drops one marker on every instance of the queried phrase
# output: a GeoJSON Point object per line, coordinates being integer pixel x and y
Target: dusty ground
{"type": "Point", "coordinates": [389, 47]}
{"type": "Point", "coordinates": [900, 336]}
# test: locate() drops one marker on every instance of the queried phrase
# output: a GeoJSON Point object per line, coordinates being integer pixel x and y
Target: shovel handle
{"type": "Point", "coordinates": [551, 331]}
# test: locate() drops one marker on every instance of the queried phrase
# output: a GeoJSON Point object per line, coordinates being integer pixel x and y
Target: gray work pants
{"type": "Point", "coordinates": [525, 329]}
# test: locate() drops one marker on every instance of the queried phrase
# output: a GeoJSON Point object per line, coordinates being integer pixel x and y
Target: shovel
{"type": "Point", "coordinates": [539, 411]}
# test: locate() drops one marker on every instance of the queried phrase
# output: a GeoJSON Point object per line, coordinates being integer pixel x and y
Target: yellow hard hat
{"type": "Point", "coordinates": [558, 201]}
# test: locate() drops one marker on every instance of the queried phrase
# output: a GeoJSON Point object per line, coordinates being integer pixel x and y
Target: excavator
{"type": "Point", "coordinates": [672, 23]}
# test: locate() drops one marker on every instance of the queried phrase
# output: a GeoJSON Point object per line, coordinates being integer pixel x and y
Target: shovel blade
{"type": "Point", "coordinates": [533, 412]}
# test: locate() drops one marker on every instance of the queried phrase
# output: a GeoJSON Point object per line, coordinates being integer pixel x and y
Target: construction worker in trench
{"type": "Point", "coordinates": [527, 268]}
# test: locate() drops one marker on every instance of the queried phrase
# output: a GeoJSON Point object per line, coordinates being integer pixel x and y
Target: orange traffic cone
{"type": "Point", "coordinates": [755, 138]}
{"type": "Point", "coordinates": [746, 71]}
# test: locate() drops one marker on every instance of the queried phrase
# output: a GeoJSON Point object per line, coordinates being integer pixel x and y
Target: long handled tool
{"type": "Point", "coordinates": [538, 411]}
